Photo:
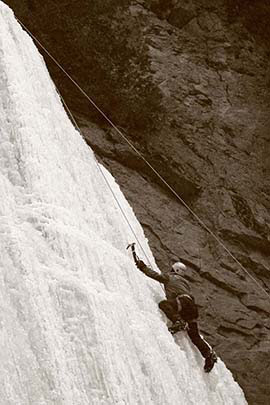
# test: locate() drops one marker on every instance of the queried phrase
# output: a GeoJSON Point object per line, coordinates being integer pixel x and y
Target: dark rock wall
{"type": "Point", "coordinates": [188, 82]}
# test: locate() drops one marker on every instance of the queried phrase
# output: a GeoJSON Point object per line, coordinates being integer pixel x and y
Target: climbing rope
{"type": "Point", "coordinates": [107, 182]}
{"type": "Point", "coordinates": [146, 161]}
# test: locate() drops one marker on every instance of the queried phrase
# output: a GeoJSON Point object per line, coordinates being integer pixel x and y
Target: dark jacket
{"type": "Point", "coordinates": [174, 284]}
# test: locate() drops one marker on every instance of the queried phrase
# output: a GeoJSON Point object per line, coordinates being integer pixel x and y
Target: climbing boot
{"type": "Point", "coordinates": [210, 361]}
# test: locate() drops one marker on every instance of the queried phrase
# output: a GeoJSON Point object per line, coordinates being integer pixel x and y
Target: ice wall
{"type": "Point", "coordinates": [79, 324]}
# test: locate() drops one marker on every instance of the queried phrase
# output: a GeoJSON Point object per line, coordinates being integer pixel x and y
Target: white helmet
{"type": "Point", "coordinates": [179, 267]}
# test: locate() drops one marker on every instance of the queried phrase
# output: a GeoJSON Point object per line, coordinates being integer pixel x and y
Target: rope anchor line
{"type": "Point", "coordinates": [145, 160]}
{"type": "Point", "coordinates": [111, 190]}
{"type": "Point", "coordinates": [105, 179]}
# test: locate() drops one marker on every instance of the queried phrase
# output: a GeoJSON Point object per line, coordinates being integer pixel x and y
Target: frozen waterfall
{"type": "Point", "coordinates": [79, 324]}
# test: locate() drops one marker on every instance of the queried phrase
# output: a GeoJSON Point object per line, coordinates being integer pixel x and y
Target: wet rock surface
{"type": "Point", "coordinates": [188, 84]}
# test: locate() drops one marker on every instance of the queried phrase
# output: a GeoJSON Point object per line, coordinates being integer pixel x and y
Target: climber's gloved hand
{"type": "Point", "coordinates": [140, 264]}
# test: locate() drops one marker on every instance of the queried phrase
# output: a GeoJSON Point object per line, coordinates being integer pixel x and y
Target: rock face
{"type": "Point", "coordinates": [188, 82]}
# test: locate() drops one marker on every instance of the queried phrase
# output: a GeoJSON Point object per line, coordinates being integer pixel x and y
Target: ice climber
{"type": "Point", "coordinates": [180, 306]}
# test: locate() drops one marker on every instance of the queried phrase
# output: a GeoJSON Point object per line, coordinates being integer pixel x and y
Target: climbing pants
{"type": "Point", "coordinates": [188, 313]}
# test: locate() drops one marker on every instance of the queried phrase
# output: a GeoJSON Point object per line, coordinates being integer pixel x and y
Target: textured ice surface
{"type": "Point", "coordinates": [79, 324]}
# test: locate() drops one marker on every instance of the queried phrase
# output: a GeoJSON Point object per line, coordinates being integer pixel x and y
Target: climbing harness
{"type": "Point", "coordinates": [146, 161]}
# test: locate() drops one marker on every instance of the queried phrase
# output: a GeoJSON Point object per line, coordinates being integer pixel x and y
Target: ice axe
{"type": "Point", "coordinates": [132, 246]}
